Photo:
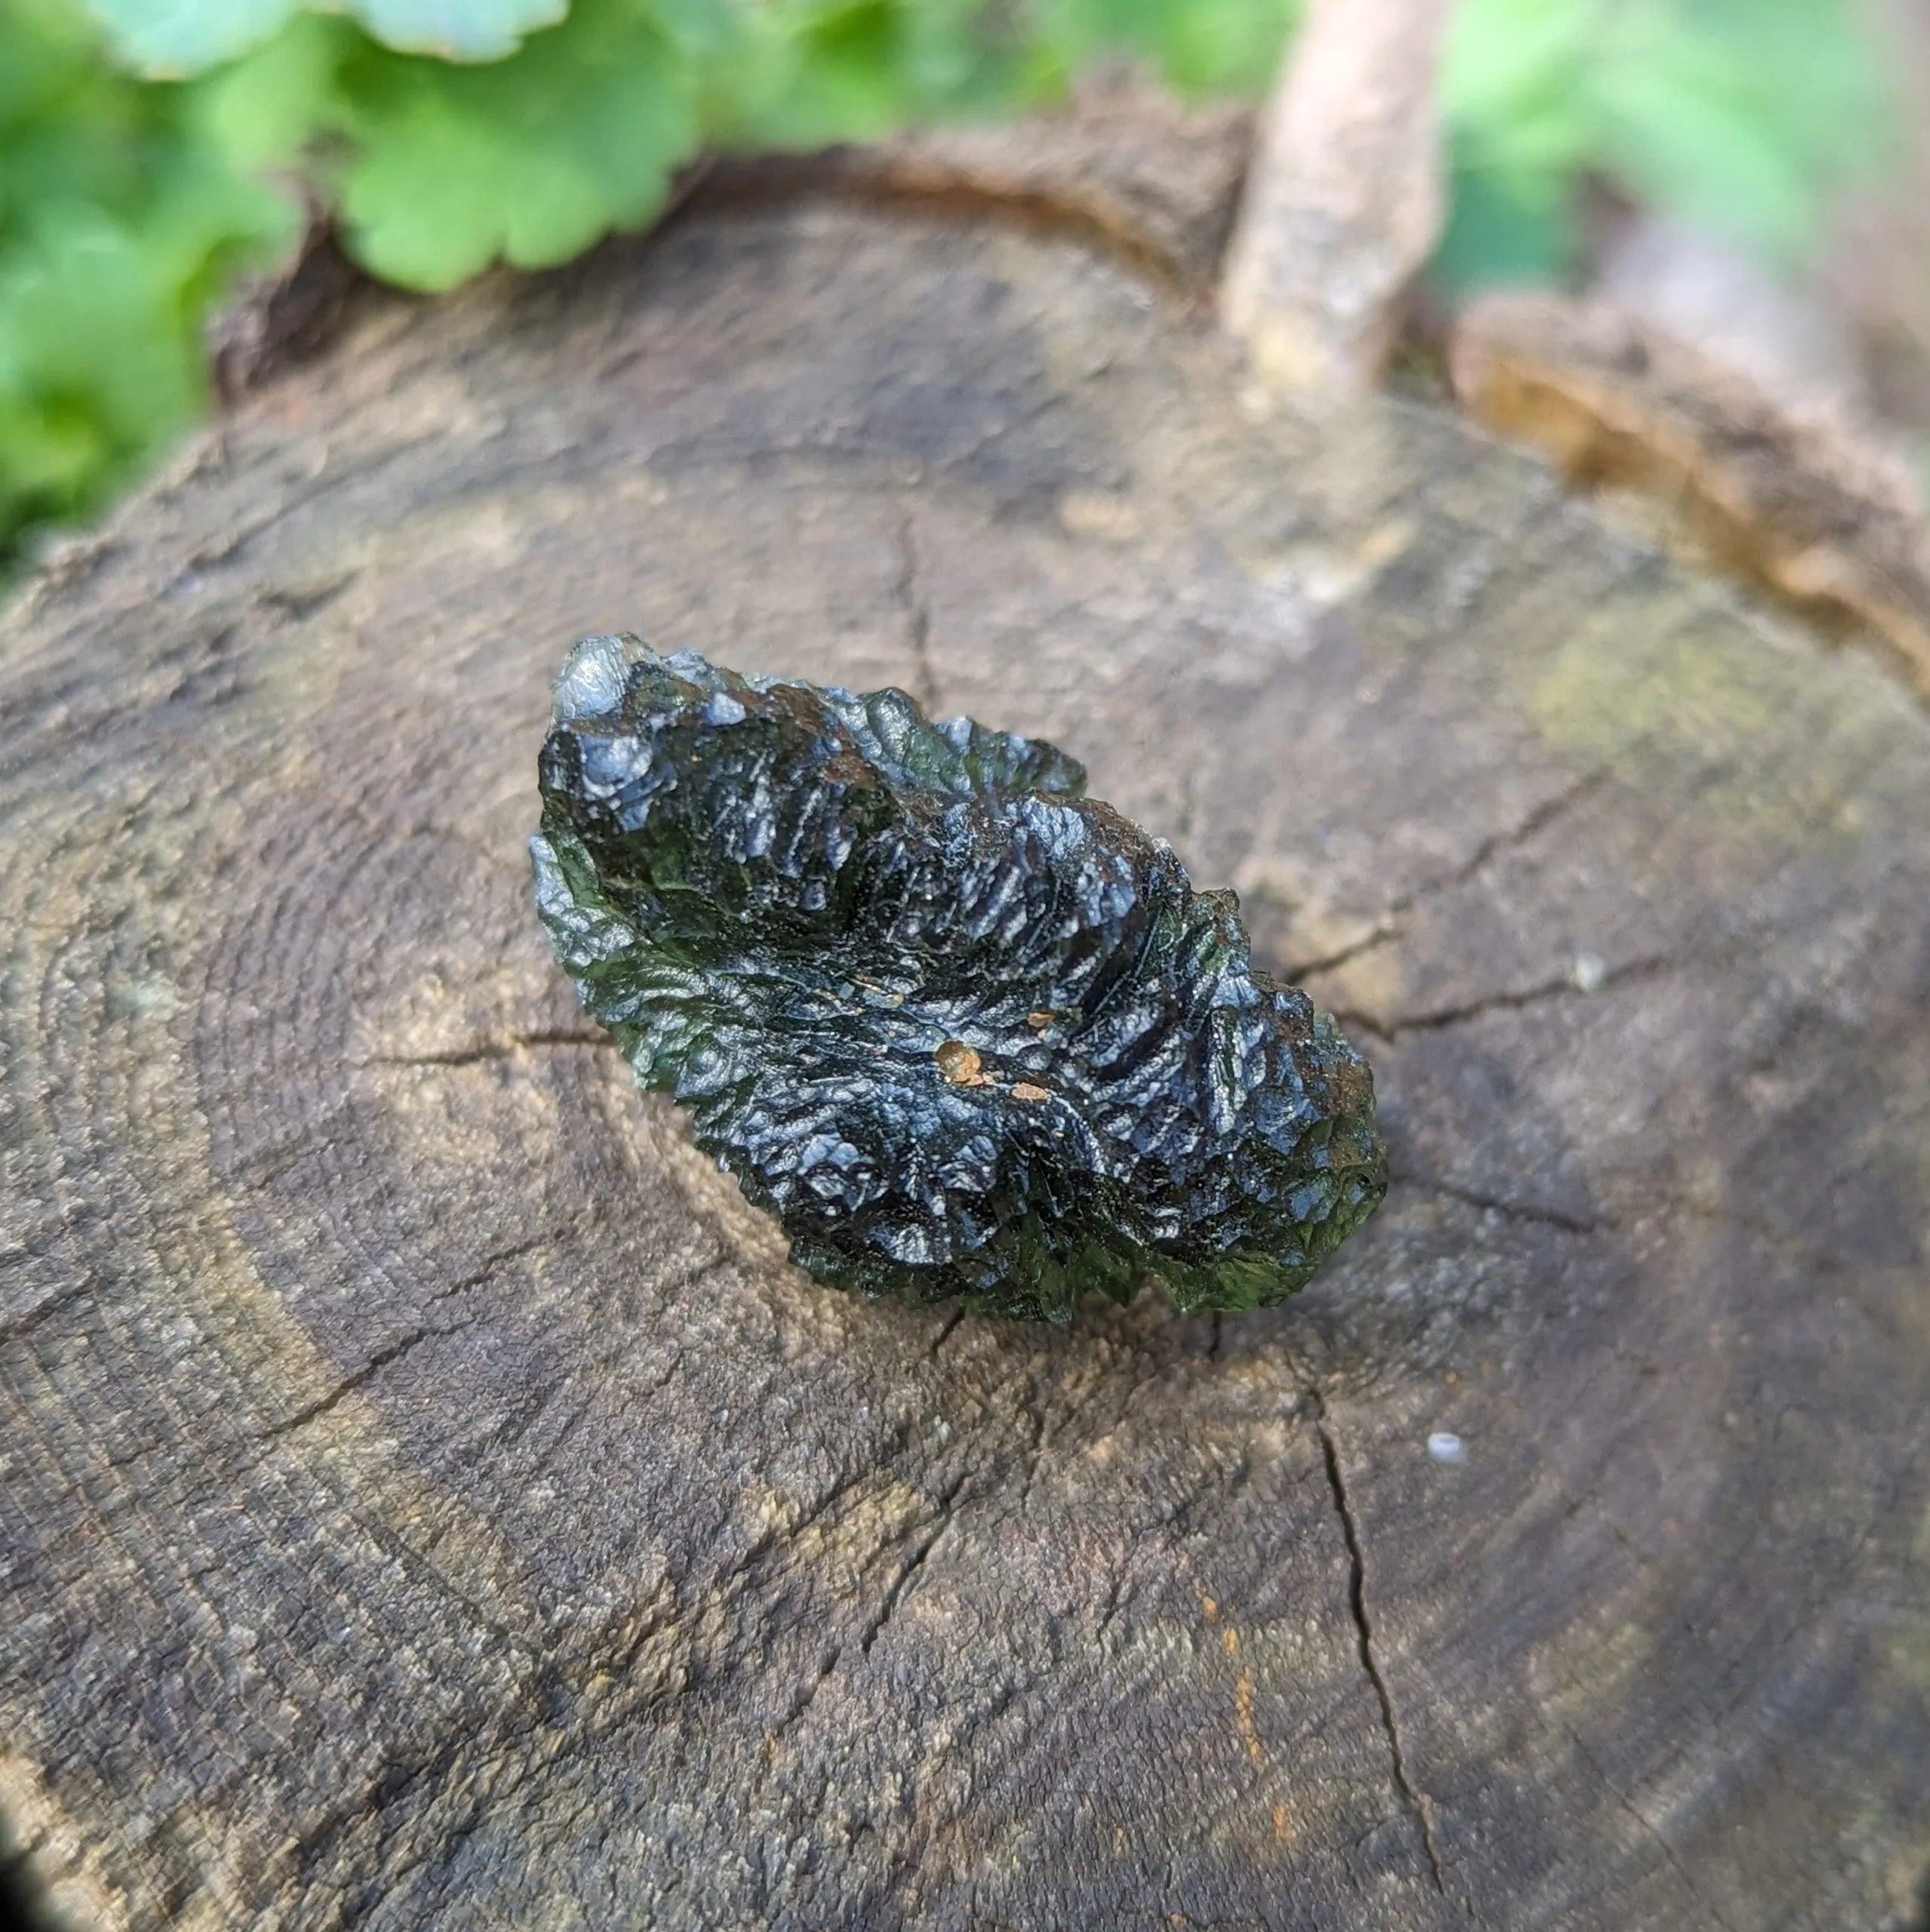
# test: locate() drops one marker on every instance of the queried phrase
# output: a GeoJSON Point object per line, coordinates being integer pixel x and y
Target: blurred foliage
{"type": "Point", "coordinates": [175, 36]}
{"type": "Point", "coordinates": [120, 219]}
{"type": "Point", "coordinates": [1743, 117]}
{"type": "Point", "coordinates": [149, 149]}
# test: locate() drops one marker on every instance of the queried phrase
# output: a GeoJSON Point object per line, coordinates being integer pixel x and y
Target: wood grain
{"type": "Point", "coordinates": [428, 1499]}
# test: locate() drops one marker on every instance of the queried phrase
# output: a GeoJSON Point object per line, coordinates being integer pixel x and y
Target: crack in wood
{"type": "Point", "coordinates": [894, 1597]}
{"type": "Point", "coordinates": [380, 1797]}
{"type": "Point", "coordinates": [28, 1320]}
{"type": "Point", "coordinates": [1592, 1504]}
{"type": "Point", "coordinates": [490, 1262]}
{"type": "Point", "coordinates": [944, 1334]}
{"type": "Point", "coordinates": [902, 1583]}
{"type": "Point", "coordinates": [1512, 1211]}
{"type": "Point", "coordinates": [1393, 1028]}
{"type": "Point", "coordinates": [1536, 821]}
{"type": "Point", "coordinates": [501, 1746]}
{"type": "Point", "coordinates": [1189, 810]}
{"type": "Point", "coordinates": [1363, 1631]}
{"type": "Point", "coordinates": [298, 602]}
{"type": "Point", "coordinates": [361, 1376]}
{"type": "Point", "coordinates": [1038, 1418]}
{"type": "Point", "coordinates": [1388, 927]}
{"type": "Point", "coordinates": [826, 1665]}
{"type": "Point", "coordinates": [503, 1048]}
{"type": "Point", "coordinates": [775, 1554]}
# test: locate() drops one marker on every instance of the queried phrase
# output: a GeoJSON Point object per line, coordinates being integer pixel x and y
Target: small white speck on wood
{"type": "Point", "coordinates": [1343, 203]}
{"type": "Point", "coordinates": [1589, 973]}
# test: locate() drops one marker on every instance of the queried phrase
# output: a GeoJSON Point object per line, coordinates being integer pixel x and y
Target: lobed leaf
{"type": "Point", "coordinates": [441, 169]}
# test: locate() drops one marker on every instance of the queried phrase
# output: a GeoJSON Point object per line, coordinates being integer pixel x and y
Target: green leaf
{"type": "Point", "coordinates": [1515, 86]}
{"type": "Point", "coordinates": [119, 222]}
{"type": "Point", "coordinates": [530, 161]}
{"type": "Point", "coordinates": [440, 195]}
{"type": "Point", "coordinates": [267, 109]}
{"type": "Point", "coordinates": [440, 170]}
{"type": "Point", "coordinates": [457, 29]}
{"type": "Point", "coordinates": [834, 73]}
{"type": "Point", "coordinates": [125, 206]}
{"type": "Point", "coordinates": [167, 39]}
{"type": "Point", "coordinates": [94, 367]}
{"type": "Point", "coordinates": [171, 38]}
{"type": "Point", "coordinates": [801, 73]}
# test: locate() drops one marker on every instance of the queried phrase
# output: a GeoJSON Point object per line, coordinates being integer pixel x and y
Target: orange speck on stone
{"type": "Point", "coordinates": [1242, 1697]}
{"type": "Point", "coordinates": [1025, 1091]}
{"type": "Point", "coordinates": [957, 1062]}
{"type": "Point", "coordinates": [1232, 1643]}
{"type": "Point", "coordinates": [1209, 1608]}
{"type": "Point", "coordinates": [1038, 1022]}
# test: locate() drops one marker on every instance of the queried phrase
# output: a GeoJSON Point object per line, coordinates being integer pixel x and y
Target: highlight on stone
{"type": "Point", "coordinates": [964, 1031]}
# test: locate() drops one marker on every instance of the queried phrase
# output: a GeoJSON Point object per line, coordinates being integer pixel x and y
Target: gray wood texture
{"type": "Point", "coordinates": [429, 1499]}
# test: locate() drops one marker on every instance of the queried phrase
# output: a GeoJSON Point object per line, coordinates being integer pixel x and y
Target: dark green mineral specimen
{"type": "Point", "coordinates": [963, 1031]}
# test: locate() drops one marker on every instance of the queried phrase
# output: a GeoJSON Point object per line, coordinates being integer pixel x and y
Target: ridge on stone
{"type": "Point", "coordinates": [963, 1030]}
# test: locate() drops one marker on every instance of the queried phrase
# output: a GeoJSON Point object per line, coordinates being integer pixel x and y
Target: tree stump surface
{"type": "Point", "coordinates": [430, 1499]}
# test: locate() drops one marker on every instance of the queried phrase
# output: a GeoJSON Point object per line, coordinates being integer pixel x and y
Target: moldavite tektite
{"type": "Point", "coordinates": [963, 1031]}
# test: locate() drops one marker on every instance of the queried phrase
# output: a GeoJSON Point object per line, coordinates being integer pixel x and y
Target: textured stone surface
{"type": "Point", "coordinates": [965, 1031]}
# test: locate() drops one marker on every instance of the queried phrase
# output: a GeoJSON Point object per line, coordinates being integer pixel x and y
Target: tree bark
{"type": "Point", "coordinates": [430, 1499]}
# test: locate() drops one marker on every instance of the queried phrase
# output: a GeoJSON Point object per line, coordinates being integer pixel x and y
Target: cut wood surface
{"type": "Point", "coordinates": [430, 1500]}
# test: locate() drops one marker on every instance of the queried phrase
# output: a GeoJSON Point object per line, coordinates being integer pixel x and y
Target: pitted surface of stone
{"type": "Point", "coordinates": [964, 1031]}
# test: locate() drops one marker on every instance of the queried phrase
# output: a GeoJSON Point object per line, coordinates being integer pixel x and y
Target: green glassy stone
{"type": "Point", "coordinates": [964, 1032]}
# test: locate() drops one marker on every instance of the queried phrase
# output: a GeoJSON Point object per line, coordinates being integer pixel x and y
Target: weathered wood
{"type": "Point", "coordinates": [428, 1499]}
{"type": "Point", "coordinates": [1728, 476]}
{"type": "Point", "coordinates": [1122, 165]}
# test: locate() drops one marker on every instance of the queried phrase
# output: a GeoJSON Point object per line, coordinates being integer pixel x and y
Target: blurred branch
{"type": "Point", "coordinates": [1344, 202]}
